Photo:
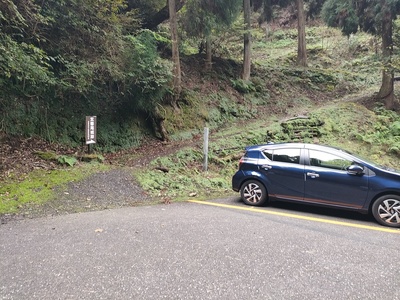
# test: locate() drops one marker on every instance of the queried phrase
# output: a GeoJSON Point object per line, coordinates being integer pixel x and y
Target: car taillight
{"type": "Point", "coordinates": [241, 161]}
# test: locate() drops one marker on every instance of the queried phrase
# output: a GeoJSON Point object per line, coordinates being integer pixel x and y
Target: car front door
{"type": "Point", "coordinates": [284, 173]}
{"type": "Point", "coordinates": [327, 181]}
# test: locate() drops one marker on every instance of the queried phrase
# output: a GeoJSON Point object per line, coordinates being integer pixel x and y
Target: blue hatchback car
{"type": "Point", "coordinates": [318, 175]}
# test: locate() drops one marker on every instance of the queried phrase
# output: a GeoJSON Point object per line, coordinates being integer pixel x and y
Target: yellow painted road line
{"type": "Point", "coordinates": [282, 214]}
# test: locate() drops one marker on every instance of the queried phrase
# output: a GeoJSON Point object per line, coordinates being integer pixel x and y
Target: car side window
{"type": "Point", "coordinates": [269, 154]}
{"type": "Point", "coordinates": [328, 160]}
{"type": "Point", "coordinates": [283, 155]}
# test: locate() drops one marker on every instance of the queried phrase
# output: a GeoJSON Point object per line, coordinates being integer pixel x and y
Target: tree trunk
{"type": "Point", "coordinates": [386, 92]}
{"type": "Point", "coordinates": [301, 27]}
{"type": "Point", "coordinates": [159, 126]}
{"type": "Point", "coordinates": [208, 53]}
{"type": "Point", "coordinates": [247, 41]}
{"type": "Point", "coordinates": [177, 87]}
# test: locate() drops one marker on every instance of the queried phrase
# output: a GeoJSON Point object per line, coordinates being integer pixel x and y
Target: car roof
{"type": "Point", "coordinates": [293, 145]}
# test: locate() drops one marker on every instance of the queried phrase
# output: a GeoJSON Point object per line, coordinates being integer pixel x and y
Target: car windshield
{"type": "Point", "coordinates": [388, 168]}
{"type": "Point", "coordinates": [383, 167]}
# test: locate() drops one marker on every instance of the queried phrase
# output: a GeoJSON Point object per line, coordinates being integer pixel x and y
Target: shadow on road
{"type": "Point", "coordinates": [314, 210]}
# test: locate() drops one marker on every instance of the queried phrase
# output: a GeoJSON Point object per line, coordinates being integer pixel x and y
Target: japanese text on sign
{"type": "Point", "coordinates": [91, 129]}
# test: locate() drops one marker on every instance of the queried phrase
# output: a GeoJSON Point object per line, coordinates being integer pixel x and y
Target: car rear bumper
{"type": "Point", "coordinates": [237, 180]}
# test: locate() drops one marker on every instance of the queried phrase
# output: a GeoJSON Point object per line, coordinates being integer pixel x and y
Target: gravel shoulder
{"type": "Point", "coordinates": [104, 190]}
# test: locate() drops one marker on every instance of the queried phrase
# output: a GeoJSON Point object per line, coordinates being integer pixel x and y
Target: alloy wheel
{"type": "Point", "coordinates": [253, 193]}
{"type": "Point", "coordinates": [389, 211]}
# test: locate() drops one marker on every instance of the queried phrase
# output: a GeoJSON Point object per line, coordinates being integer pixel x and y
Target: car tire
{"type": "Point", "coordinates": [386, 210]}
{"type": "Point", "coordinates": [253, 193]}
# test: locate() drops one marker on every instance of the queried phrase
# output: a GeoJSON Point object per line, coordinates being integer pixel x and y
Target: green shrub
{"type": "Point", "coordinates": [67, 160]}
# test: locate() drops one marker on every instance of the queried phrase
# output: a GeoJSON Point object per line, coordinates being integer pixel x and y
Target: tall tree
{"type": "Point", "coordinates": [177, 84]}
{"type": "Point", "coordinates": [247, 40]}
{"type": "Point", "coordinates": [373, 16]}
{"type": "Point", "coordinates": [386, 92]}
{"type": "Point", "coordinates": [301, 29]}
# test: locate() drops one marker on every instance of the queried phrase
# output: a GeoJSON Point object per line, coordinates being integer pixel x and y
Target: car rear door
{"type": "Point", "coordinates": [327, 181]}
{"type": "Point", "coordinates": [284, 172]}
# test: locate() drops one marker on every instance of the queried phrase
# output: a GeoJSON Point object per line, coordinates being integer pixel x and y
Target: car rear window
{"type": "Point", "coordinates": [283, 155]}
{"type": "Point", "coordinates": [252, 154]}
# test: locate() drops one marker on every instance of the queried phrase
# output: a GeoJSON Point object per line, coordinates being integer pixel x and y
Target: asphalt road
{"type": "Point", "coordinates": [199, 251]}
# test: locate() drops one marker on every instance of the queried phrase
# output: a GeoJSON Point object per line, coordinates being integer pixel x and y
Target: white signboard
{"type": "Point", "coordinates": [91, 130]}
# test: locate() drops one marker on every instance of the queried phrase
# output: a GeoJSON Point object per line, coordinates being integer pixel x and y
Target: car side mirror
{"type": "Point", "coordinates": [355, 170]}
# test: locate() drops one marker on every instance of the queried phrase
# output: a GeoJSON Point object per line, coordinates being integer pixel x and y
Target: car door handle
{"type": "Point", "coordinates": [266, 167]}
{"type": "Point", "coordinates": [312, 175]}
